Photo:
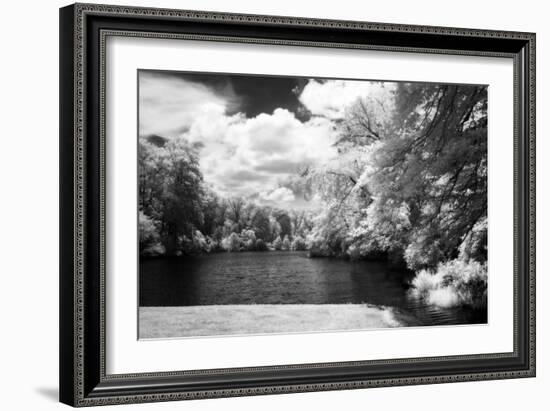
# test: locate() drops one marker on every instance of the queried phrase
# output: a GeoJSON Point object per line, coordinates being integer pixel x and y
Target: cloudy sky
{"type": "Point", "coordinates": [256, 131]}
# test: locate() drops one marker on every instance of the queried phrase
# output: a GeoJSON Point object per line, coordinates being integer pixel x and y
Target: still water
{"type": "Point", "coordinates": [286, 278]}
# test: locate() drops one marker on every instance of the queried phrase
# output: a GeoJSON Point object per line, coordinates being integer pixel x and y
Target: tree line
{"type": "Point", "coordinates": [180, 215]}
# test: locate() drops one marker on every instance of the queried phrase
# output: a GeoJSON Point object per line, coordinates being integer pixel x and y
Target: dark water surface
{"type": "Point", "coordinates": [286, 278]}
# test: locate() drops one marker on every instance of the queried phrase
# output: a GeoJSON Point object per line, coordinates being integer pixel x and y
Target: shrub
{"type": "Point", "coordinates": [248, 238]}
{"type": "Point", "coordinates": [418, 257]}
{"type": "Point", "coordinates": [249, 245]}
{"type": "Point", "coordinates": [200, 242]}
{"type": "Point", "coordinates": [286, 244]}
{"type": "Point", "coordinates": [474, 245]}
{"type": "Point", "coordinates": [248, 235]}
{"type": "Point", "coordinates": [318, 248]}
{"type": "Point", "coordinates": [443, 297]}
{"type": "Point", "coordinates": [453, 283]}
{"type": "Point", "coordinates": [153, 250]}
{"type": "Point", "coordinates": [298, 244]}
{"type": "Point", "coordinates": [277, 243]}
{"type": "Point", "coordinates": [184, 246]}
{"type": "Point", "coordinates": [149, 238]}
{"type": "Point", "coordinates": [354, 252]}
{"type": "Point", "coordinates": [214, 245]}
{"type": "Point", "coordinates": [231, 243]}
{"type": "Point", "coordinates": [261, 245]}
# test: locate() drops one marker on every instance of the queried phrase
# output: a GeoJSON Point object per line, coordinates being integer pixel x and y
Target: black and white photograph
{"type": "Point", "coordinates": [272, 204]}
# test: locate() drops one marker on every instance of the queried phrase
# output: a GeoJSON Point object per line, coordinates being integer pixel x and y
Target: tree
{"type": "Point", "coordinates": [235, 209]}
{"type": "Point", "coordinates": [274, 228]}
{"type": "Point", "coordinates": [278, 243]}
{"type": "Point", "coordinates": [286, 244]}
{"type": "Point", "coordinates": [182, 194]}
{"type": "Point", "coordinates": [298, 244]}
{"type": "Point", "coordinates": [436, 168]}
{"type": "Point", "coordinates": [410, 178]}
{"type": "Point", "coordinates": [213, 212]}
{"type": "Point", "coordinates": [284, 223]}
{"type": "Point", "coordinates": [260, 224]}
{"type": "Point", "coordinates": [149, 239]}
{"type": "Point", "coordinates": [171, 189]}
{"type": "Point", "coordinates": [232, 243]}
{"type": "Point", "coordinates": [301, 223]}
{"type": "Point", "coordinates": [261, 245]}
{"type": "Point", "coordinates": [248, 238]}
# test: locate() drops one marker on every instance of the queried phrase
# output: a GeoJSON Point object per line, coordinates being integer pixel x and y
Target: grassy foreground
{"type": "Point", "coordinates": [170, 322]}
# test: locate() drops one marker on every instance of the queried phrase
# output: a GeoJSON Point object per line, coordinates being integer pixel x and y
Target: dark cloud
{"type": "Point", "coordinates": [255, 94]}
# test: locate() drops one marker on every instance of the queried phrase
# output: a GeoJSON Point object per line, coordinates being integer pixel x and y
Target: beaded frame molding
{"type": "Point", "coordinates": [84, 29]}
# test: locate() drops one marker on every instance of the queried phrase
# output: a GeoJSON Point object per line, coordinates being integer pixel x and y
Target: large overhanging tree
{"type": "Point", "coordinates": [410, 178]}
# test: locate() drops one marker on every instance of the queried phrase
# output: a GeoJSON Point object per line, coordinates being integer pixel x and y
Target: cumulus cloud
{"type": "Point", "coordinates": [277, 196]}
{"type": "Point", "coordinates": [243, 156]}
{"type": "Point", "coordinates": [331, 98]}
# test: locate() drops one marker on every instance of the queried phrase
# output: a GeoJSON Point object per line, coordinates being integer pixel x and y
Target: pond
{"type": "Point", "coordinates": [284, 277]}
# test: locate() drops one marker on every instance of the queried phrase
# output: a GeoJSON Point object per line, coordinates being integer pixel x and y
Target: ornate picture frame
{"type": "Point", "coordinates": [84, 30]}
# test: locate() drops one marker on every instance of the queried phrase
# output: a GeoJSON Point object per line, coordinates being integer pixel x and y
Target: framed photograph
{"type": "Point", "coordinates": [261, 204]}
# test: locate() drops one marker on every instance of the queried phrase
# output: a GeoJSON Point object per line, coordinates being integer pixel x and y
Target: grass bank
{"type": "Point", "coordinates": [171, 322]}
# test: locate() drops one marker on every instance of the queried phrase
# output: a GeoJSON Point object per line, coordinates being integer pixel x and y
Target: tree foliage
{"type": "Point", "coordinates": [410, 179]}
{"type": "Point", "coordinates": [171, 189]}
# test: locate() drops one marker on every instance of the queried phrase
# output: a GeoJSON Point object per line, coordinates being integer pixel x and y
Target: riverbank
{"type": "Point", "coordinates": [210, 320]}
